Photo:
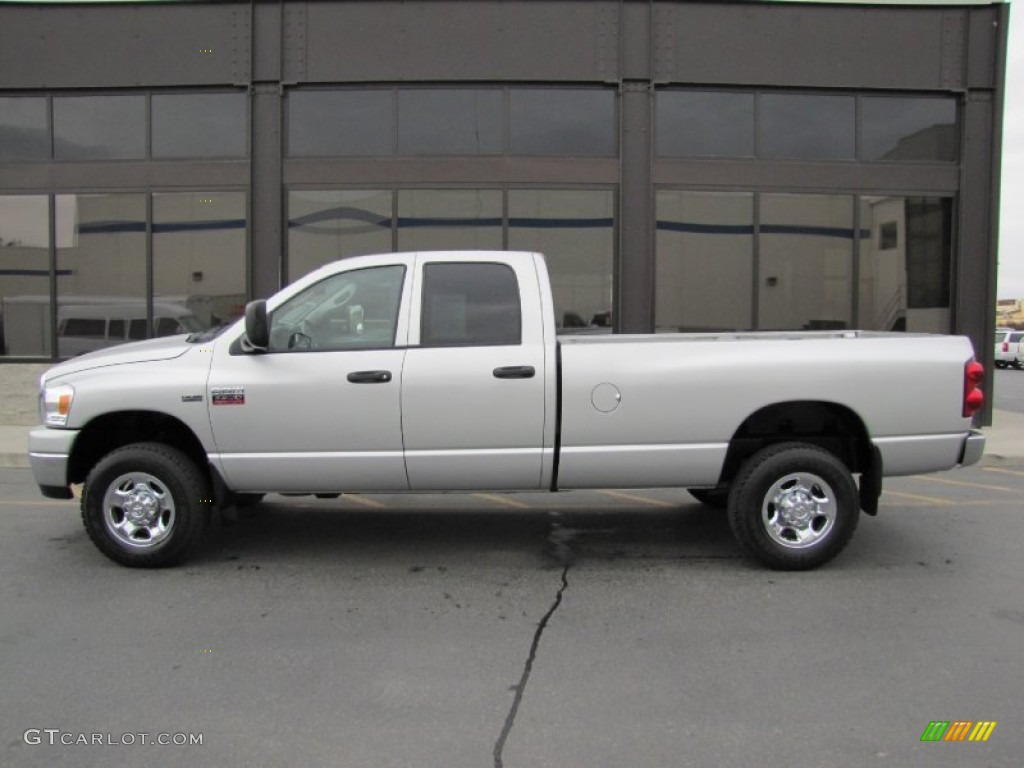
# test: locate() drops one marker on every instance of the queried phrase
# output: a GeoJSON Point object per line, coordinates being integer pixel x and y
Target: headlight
{"type": "Point", "coordinates": [57, 405]}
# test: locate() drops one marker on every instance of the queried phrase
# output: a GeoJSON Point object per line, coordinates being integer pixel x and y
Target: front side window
{"type": "Point", "coordinates": [470, 304]}
{"type": "Point", "coordinates": [349, 310]}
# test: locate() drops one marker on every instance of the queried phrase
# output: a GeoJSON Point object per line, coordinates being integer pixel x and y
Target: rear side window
{"type": "Point", "coordinates": [1016, 337]}
{"type": "Point", "coordinates": [470, 305]}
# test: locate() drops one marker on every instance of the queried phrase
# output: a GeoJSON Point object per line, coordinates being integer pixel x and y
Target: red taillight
{"type": "Point", "coordinates": [1006, 346]}
{"type": "Point", "coordinates": [974, 398]}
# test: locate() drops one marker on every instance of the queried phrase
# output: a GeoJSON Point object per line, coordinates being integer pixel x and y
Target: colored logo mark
{"type": "Point", "coordinates": [958, 730]}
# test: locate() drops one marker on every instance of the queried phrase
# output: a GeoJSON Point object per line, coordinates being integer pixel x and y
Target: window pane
{"type": "Point", "coordinates": [806, 126]}
{"type": "Point", "coordinates": [470, 304]}
{"type": "Point", "coordinates": [929, 243]}
{"type": "Point", "coordinates": [705, 261]}
{"type": "Point", "coordinates": [326, 123]}
{"type": "Point", "coordinates": [561, 121]}
{"type": "Point", "coordinates": [705, 124]}
{"type": "Point", "coordinates": [351, 310]}
{"type": "Point", "coordinates": [200, 125]}
{"type": "Point", "coordinates": [23, 131]}
{"type": "Point", "coordinates": [806, 253]}
{"type": "Point", "coordinates": [25, 276]}
{"type": "Point", "coordinates": [905, 264]}
{"type": "Point", "coordinates": [199, 256]}
{"type": "Point", "coordinates": [99, 127]}
{"type": "Point", "coordinates": [324, 226]}
{"type": "Point", "coordinates": [908, 129]}
{"type": "Point", "coordinates": [450, 122]}
{"type": "Point", "coordinates": [101, 269]}
{"type": "Point", "coordinates": [449, 219]}
{"type": "Point", "coordinates": [575, 231]}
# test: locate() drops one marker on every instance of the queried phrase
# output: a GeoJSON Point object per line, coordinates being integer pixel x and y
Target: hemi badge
{"type": "Point", "coordinates": [191, 398]}
{"type": "Point", "coordinates": [227, 396]}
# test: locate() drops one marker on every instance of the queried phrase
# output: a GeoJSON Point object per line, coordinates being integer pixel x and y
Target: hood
{"type": "Point", "coordinates": [165, 348]}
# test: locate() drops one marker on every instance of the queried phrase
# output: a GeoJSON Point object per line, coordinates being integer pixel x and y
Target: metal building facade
{"type": "Point", "coordinates": [685, 165]}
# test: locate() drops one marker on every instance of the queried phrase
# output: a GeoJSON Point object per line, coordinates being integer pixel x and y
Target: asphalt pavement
{"type": "Point", "coordinates": [578, 629]}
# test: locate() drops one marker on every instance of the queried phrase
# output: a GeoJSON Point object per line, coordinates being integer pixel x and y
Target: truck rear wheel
{"type": "Point", "coordinates": [793, 506]}
{"type": "Point", "coordinates": [145, 505]}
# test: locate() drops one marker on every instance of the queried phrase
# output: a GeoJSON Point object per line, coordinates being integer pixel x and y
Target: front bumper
{"type": "Point", "coordinates": [49, 451]}
{"type": "Point", "coordinates": [974, 447]}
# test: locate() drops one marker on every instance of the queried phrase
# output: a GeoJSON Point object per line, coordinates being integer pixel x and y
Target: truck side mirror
{"type": "Point", "coordinates": [257, 329]}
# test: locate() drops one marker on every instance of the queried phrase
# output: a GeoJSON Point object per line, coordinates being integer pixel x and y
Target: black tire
{"type": "Point", "coordinates": [712, 497]}
{"type": "Point", "coordinates": [170, 502]}
{"type": "Point", "coordinates": [793, 506]}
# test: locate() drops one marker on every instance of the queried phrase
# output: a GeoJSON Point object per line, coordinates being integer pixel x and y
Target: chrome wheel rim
{"type": "Point", "coordinates": [138, 510]}
{"type": "Point", "coordinates": [799, 510]}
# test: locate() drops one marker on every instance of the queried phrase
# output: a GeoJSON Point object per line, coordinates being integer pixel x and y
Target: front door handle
{"type": "Point", "coordinates": [370, 377]}
{"type": "Point", "coordinates": [515, 372]}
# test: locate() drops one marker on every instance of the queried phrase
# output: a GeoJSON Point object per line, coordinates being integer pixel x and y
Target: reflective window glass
{"type": "Point", "coordinates": [895, 129]}
{"type": "Point", "coordinates": [705, 261]}
{"type": "Point", "coordinates": [450, 122]}
{"type": "Point", "coordinates": [806, 126]}
{"type": "Point", "coordinates": [25, 276]}
{"type": "Point", "coordinates": [562, 121]}
{"type": "Point", "coordinates": [198, 257]}
{"type": "Point", "coordinates": [349, 310]}
{"type": "Point", "coordinates": [101, 269]}
{"type": "Point", "coordinates": [326, 225]}
{"type": "Point", "coordinates": [705, 124]}
{"type": "Point", "coordinates": [806, 253]}
{"type": "Point", "coordinates": [575, 231]}
{"type": "Point", "coordinates": [449, 219]}
{"type": "Point", "coordinates": [330, 123]}
{"type": "Point", "coordinates": [24, 134]}
{"type": "Point", "coordinates": [905, 250]}
{"type": "Point", "coordinates": [200, 125]}
{"type": "Point", "coordinates": [474, 304]}
{"type": "Point", "coordinates": [99, 127]}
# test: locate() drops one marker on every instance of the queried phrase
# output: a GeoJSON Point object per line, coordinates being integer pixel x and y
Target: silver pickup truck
{"type": "Point", "coordinates": [443, 371]}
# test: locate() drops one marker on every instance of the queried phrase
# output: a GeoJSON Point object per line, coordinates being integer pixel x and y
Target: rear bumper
{"type": "Point", "coordinates": [49, 451]}
{"type": "Point", "coordinates": [973, 448]}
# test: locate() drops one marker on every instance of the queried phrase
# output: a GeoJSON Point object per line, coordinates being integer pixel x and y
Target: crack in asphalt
{"type": "Point", "coordinates": [520, 689]}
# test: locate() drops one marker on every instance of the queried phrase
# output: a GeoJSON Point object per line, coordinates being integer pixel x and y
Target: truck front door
{"type": "Point", "coordinates": [320, 409]}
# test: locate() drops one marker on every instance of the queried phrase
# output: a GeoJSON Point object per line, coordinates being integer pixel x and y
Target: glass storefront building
{"type": "Point", "coordinates": [685, 166]}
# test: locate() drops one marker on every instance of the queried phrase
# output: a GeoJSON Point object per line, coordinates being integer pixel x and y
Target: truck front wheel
{"type": "Point", "coordinates": [793, 506]}
{"type": "Point", "coordinates": [145, 505]}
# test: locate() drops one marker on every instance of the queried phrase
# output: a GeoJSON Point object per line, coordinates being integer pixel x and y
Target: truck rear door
{"type": "Point", "coordinates": [474, 381]}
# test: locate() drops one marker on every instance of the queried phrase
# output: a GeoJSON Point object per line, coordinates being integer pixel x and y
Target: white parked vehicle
{"type": "Point", "coordinates": [1009, 349]}
{"type": "Point", "coordinates": [442, 371]}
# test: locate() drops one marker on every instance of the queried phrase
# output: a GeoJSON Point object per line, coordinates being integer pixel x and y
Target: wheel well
{"type": "Point", "coordinates": [113, 430]}
{"type": "Point", "coordinates": [830, 426]}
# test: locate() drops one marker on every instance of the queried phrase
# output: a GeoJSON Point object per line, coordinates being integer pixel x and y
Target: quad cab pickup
{"type": "Point", "coordinates": [442, 371]}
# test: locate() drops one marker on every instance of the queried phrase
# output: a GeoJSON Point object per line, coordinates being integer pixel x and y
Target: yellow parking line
{"type": "Point", "coordinates": [372, 503]}
{"type": "Point", "coordinates": [916, 497]}
{"type": "Point", "coordinates": [641, 499]}
{"type": "Point", "coordinates": [68, 503]}
{"type": "Point", "coordinates": [946, 481]}
{"type": "Point", "coordinates": [495, 498]}
{"type": "Point", "coordinates": [1004, 471]}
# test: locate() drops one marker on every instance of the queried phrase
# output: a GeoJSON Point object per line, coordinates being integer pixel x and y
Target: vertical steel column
{"type": "Point", "coordinates": [635, 306]}
{"type": "Point", "coordinates": [266, 196]}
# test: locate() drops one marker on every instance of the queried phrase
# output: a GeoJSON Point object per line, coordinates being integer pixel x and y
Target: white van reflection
{"type": "Point", "coordinates": [84, 328]}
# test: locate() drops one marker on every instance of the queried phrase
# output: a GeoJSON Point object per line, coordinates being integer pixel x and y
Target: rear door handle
{"type": "Point", "coordinates": [515, 372]}
{"type": "Point", "coordinates": [370, 377]}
